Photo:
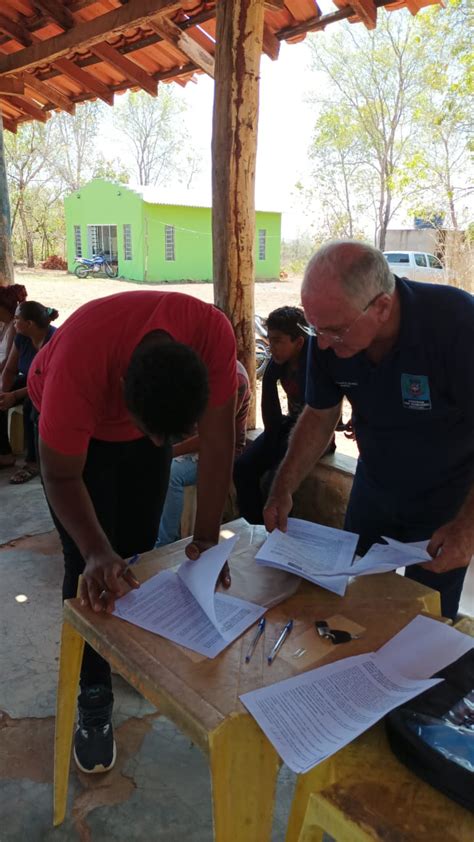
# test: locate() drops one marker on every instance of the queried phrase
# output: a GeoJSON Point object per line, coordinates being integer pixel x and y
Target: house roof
{"type": "Point", "coordinates": [56, 53]}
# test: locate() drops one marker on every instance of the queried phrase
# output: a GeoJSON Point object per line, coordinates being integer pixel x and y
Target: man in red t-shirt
{"type": "Point", "coordinates": [115, 385]}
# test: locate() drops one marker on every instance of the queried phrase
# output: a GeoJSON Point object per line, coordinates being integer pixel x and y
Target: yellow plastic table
{"type": "Point", "coordinates": [201, 696]}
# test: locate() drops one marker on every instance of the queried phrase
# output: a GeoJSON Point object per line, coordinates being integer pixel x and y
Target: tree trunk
{"type": "Point", "coordinates": [234, 150]}
{"type": "Point", "coordinates": [6, 256]}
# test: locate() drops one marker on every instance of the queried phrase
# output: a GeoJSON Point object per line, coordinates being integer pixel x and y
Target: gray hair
{"type": "Point", "coordinates": [362, 270]}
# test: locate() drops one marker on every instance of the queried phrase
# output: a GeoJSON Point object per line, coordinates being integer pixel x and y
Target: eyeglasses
{"type": "Point", "coordinates": [335, 338]}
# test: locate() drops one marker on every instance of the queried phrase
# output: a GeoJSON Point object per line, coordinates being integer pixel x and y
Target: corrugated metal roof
{"type": "Point", "coordinates": [74, 50]}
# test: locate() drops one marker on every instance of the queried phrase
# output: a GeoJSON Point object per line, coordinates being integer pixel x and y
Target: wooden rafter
{"type": "Point", "coordinates": [85, 35]}
{"type": "Point", "coordinates": [271, 44]}
{"type": "Point", "coordinates": [129, 68]}
{"type": "Point", "coordinates": [49, 93]}
{"type": "Point", "coordinates": [10, 85]}
{"type": "Point", "coordinates": [8, 124]}
{"type": "Point", "coordinates": [87, 80]}
{"type": "Point", "coordinates": [25, 106]}
{"type": "Point", "coordinates": [15, 30]}
{"type": "Point", "coordinates": [365, 11]}
{"type": "Point", "coordinates": [56, 12]}
{"type": "Point", "coordinates": [190, 48]}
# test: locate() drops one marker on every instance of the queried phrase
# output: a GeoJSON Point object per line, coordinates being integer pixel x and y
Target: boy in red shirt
{"type": "Point", "coordinates": [117, 382]}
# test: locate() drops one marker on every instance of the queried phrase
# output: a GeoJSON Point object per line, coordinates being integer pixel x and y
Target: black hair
{"type": "Point", "coordinates": [288, 320]}
{"type": "Point", "coordinates": [166, 386]}
{"type": "Point", "coordinates": [33, 311]}
{"type": "Point", "coordinates": [11, 296]}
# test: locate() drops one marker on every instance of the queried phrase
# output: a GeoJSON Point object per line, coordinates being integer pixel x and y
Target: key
{"type": "Point", "coordinates": [339, 636]}
{"type": "Point", "coordinates": [321, 627]}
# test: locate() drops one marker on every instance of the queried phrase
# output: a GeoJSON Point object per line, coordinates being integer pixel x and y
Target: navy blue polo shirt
{"type": "Point", "coordinates": [413, 412]}
{"type": "Point", "coordinates": [27, 351]}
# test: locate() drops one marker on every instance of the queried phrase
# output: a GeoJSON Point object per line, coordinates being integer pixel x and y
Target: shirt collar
{"type": "Point", "coordinates": [409, 334]}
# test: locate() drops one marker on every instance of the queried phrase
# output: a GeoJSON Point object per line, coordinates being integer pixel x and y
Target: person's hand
{"type": "Point", "coordinates": [103, 581]}
{"type": "Point", "coordinates": [451, 546]}
{"type": "Point", "coordinates": [277, 509]}
{"type": "Point", "coordinates": [7, 400]}
{"type": "Point", "coordinates": [194, 550]}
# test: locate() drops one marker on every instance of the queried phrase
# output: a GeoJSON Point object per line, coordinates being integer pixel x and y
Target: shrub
{"type": "Point", "coordinates": [54, 262]}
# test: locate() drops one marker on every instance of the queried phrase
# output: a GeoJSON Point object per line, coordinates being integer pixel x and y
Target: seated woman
{"type": "Point", "coordinates": [10, 298]}
{"type": "Point", "coordinates": [33, 329]}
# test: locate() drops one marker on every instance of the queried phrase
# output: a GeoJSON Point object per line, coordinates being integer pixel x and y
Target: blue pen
{"type": "Point", "coordinates": [258, 634]}
{"type": "Point", "coordinates": [284, 634]}
{"type": "Point", "coordinates": [130, 563]}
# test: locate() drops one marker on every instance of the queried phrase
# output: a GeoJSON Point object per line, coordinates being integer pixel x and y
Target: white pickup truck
{"type": "Point", "coordinates": [416, 266]}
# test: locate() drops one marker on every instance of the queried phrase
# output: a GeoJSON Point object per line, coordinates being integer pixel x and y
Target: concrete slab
{"type": "Point", "coordinates": [23, 509]}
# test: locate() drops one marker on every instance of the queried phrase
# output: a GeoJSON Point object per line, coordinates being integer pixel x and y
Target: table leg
{"type": "Point", "coordinates": [72, 647]}
{"type": "Point", "coordinates": [244, 768]}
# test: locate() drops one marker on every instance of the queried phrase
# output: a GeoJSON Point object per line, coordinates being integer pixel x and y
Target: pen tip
{"type": "Point", "coordinates": [247, 659]}
{"type": "Point", "coordinates": [269, 660]}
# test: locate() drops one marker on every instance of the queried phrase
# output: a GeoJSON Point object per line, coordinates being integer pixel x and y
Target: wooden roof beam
{"type": "Point", "coordinates": [129, 68]}
{"type": "Point", "coordinates": [184, 43]}
{"type": "Point", "coordinates": [48, 92]}
{"type": "Point", "coordinates": [56, 12]}
{"type": "Point", "coordinates": [16, 31]}
{"type": "Point", "coordinates": [28, 107]}
{"type": "Point", "coordinates": [87, 80]}
{"type": "Point", "coordinates": [85, 35]}
{"type": "Point", "coordinates": [8, 124]}
{"type": "Point", "coordinates": [270, 44]}
{"type": "Point", "coordinates": [9, 85]}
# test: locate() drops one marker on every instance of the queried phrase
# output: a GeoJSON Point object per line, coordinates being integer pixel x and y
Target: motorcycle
{"type": "Point", "coordinates": [87, 266]}
{"type": "Point", "coordinates": [262, 346]}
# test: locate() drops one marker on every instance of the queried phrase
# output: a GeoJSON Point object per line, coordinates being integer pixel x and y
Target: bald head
{"type": "Point", "coordinates": [355, 270]}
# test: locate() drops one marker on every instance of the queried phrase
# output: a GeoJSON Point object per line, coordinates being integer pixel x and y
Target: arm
{"type": "Point", "coordinates": [309, 440]}
{"type": "Point", "coordinates": [216, 455]}
{"type": "Point", "coordinates": [71, 503]}
{"type": "Point", "coordinates": [10, 338]}
{"type": "Point", "coordinates": [189, 445]}
{"type": "Point", "coordinates": [10, 372]}
{"type": "Point", "coordinates": [271, 407]}
{"type": "Point", "coordinates": [452, 545]}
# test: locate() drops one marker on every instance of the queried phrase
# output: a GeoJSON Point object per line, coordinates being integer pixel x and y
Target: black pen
{"type": "Point", "coordinates": [257, 636]}
{"type": "Point", "coordinates": [284, 634]}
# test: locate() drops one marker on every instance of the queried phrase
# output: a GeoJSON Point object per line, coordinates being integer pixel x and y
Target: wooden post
{"type": "Point", "coordinates": [234, 150]}
{"type": "Point", "coordinates": [6, 257]}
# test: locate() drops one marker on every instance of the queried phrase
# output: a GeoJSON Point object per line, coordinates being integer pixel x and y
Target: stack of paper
{"type": "Point", "coordinates": [312, 716]}
{"type": "Point", "coordinates": [318, 553]}
{"type": "Point", "coordinates": [184, 608]}
{"type": "Point", "coordinates": [325, 556]}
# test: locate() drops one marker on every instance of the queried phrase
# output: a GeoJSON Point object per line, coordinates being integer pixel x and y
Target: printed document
{"type": "Point", "coordinates": [381, 558]}
{"type": "Point", "coordinates": [321, 554]}
{"type": "Point", "coordinates": [312, 716]}
{"type": "Point", "coordinates": [184, 608]}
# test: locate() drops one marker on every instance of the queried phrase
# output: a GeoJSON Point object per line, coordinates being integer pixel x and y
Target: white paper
{"type": "Point", "coordinates": [201, 578]}
{"type": "Point", "coordinates": [318, 553]}
{"type": "Point", "coordinates": [310, 717]}
{"type": "Point", "coordinates": [424, 647]}
{"type": "Point", "coordinates": [184, 608]}
{"type": "Point", "coordinates": [381, 558]}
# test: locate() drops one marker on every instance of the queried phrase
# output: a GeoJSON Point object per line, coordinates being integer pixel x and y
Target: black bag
{"type": "Point", "coordinates": [434, 733]}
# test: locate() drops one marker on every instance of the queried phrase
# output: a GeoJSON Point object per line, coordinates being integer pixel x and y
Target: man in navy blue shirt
{"type": "Point", "coordinates": [403, 354]}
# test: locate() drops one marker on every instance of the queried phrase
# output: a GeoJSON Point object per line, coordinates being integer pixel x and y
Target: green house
{"type": "Point", "coordinates": [153, 236]}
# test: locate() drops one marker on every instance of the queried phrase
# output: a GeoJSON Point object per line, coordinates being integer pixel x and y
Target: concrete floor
{"type": "Point", "coordinates": [159, 788]}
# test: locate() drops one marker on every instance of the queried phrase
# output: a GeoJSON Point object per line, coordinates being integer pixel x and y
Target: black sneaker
{"type": "Point", "coordinates": [94, 744]}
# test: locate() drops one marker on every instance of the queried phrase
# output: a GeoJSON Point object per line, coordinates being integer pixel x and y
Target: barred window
{"type": "Point", "coordinates": [77, 240]}
{"type": "Point", "coordinates": [127, 242]}
{"type": "Point", "coordinates": [262, 244]}
{"type": "Point", "coordinates": [169, 242]}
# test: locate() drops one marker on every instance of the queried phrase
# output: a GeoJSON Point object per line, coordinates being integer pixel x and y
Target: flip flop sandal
{"type": "Point", "coordinates": [23, 475]}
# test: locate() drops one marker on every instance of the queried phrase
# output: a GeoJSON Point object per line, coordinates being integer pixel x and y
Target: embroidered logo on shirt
{"type": "Point", "coordinates": [416, 391]}
{"type": "Point", "coordinates": [346, 384]}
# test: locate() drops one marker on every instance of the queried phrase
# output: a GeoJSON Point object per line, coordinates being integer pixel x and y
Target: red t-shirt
{"type": "Point", "coordinates": [75, 380]}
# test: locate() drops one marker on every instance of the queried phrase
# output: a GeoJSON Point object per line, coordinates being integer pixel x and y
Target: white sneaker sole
{"type": "Point", "coordinates": [97, 770]}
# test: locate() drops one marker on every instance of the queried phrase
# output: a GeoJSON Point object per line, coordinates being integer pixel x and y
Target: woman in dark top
{"type": "Point", "coordinates": [33, 330]}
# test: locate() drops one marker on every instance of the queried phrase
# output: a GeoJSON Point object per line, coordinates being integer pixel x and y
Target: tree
{"type": "Point", "coordinates": [155, 133]}
{"type": "Point", "coordinates": [27, 154]}
{"type": "Point", "coordinates": [73, 144]}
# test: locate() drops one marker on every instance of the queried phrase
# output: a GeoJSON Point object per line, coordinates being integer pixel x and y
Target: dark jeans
{"type": "Point", "coordinates": [264, 454]}
{"type": "Point", "coordinates": [127, 483]}
{"type": "Point", "coordinates": [5, 447]}
{"type": "Point", "coordinates": [371, 516]}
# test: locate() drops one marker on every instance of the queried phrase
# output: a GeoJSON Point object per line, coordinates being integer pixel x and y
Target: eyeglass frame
{"type": "Point", "coordinates": [336, 338]}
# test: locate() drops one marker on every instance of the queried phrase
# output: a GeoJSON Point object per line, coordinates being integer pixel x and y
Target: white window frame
{"type": "Point", "coordinates": [262, 243]}
{"type": "Point", "coordinates": [127, 241]}
{"type": "Point", "coordinates": [77, 241]}
{"type": "Point", "coordinates": [170, 251]}
{"type": "Point", "coordinates": [93, 242]}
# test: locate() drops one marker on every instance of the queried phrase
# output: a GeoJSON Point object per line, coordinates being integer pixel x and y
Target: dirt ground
{"type": "Point", "coordinates": [66, 292]}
